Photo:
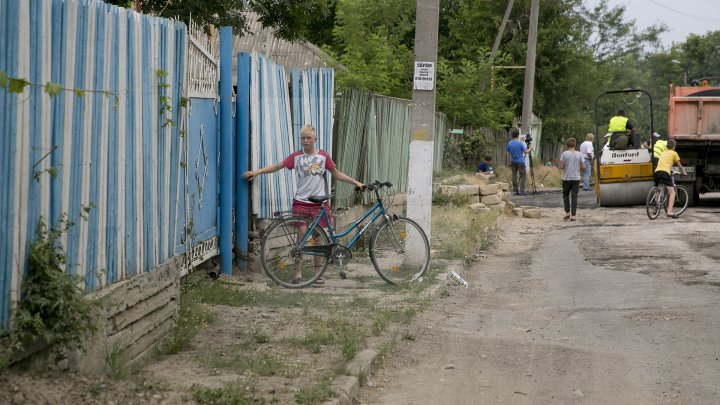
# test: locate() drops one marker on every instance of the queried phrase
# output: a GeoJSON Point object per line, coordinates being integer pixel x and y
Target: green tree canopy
{"type": "Point", "coordinates": [290, 19]}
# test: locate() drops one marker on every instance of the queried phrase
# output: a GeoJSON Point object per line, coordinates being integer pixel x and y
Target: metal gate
{"type": "Point", "coordinates": [198, 196]}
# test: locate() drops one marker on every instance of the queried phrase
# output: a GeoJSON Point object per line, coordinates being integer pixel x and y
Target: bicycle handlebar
{"type": "Point", "coordinates": [376, 185]}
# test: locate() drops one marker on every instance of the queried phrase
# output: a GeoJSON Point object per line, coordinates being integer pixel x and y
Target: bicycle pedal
{"type": "Point", "coordinates": [343, 275]}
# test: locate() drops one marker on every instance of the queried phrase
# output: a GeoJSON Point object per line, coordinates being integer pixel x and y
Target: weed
{"type": "Point", "coordinates": [258, 336]}
{"type": "Point", "coordinates": [458, 200]}
{"type": "Point", "coordinates": [219, 293]}
{"type": "Point", "coordinates": [461, 233]}
{"type": "Point", "coordinates": [364, 278]}
{"type": "Point", "coordinates": [351, 338]}
{"type": "Point", "coordinates": [406, 335]}
{"type": "Point", "coordinates": [115, 367]}
{"type": "Point", "coordinates": [53, 310]}
{"type": "Point", "coordinates": [261, 363]}
{"type": "Point", "coordinates": [193, 317]}
{"type": "Point", "coordinates": [408, 314]}
{"type": "Point", "coordinates": [380, 321]}
{"type": "Point", "coordinates": [316, 394]}
{"type": "Point", "coordinates": [386, 349]}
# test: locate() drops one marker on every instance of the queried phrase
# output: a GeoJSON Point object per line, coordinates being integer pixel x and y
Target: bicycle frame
{"type": "Point", "coordinates": [377, 210]}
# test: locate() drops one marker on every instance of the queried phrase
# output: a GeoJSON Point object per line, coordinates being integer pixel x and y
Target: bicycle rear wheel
{"type": "Point", "coordinates": [399, 250]}
{"type": "Point", "coordinates": [653, 203]}
{"type": "Point", "coordinates": [681, 200]}
{"type": "Point", "coordinates": [281, 258]}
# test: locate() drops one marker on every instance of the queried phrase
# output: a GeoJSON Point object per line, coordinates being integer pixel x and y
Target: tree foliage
{"type": "Point", "coordinates": [289, 19]}
{"type": "Point", "coordinates": [581, 52]}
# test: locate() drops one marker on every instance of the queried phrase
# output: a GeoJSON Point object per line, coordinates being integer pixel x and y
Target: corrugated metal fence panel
{"type": "Point", "coordinates": [274, 135]}
{"type": "Point", "coordinates": [313, 91]}
{"type": "Point", "coordinates": [271, 138]}
{"type": "Point", "coordinates": [372, 141]}
{"type": "Point", "coordinates": [113, 154]}
{"type": "Point", "coordinates": [350, 120]}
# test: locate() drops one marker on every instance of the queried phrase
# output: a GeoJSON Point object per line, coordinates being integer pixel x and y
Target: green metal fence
{"type": "Point", "coordinates": [372, 141]}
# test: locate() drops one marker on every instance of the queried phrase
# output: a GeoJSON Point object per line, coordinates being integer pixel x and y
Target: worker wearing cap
{"type": "Point", "coordinates": [660, 146]}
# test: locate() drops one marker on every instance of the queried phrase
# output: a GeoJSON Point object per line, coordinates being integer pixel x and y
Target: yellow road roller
{"type": "Point", "coordinates": [623, 170]}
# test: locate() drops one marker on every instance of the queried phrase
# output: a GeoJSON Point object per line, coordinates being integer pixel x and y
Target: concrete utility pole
{"type": "Point", "coordinates": [530, 68]}
{"type": "Point", "coordinates": [420, 167]}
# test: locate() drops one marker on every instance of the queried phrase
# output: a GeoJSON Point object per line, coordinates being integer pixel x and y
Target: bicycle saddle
{"type": "Point", "coordinates": [319, 198]}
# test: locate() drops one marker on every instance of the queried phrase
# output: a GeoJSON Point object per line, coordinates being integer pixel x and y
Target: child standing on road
{"type": "Point", "coordinates": [571, 161]}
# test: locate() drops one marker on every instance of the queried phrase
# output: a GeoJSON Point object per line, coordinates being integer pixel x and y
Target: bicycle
{"type": "Point", "coordinates": [657, 199]}
{"type": "Point", "coordinates": [399, 248]}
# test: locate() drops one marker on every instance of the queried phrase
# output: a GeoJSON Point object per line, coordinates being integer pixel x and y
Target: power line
{"type": "Point", "coordinates": [710, 20]}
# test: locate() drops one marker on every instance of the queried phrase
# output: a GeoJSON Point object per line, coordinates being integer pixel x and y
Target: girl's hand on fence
{"type": "Point", "coordinates": [249, 175]}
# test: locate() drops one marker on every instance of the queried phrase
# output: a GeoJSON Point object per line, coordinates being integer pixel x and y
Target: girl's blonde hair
{"type": "Point", "coordinates": [589, 137]}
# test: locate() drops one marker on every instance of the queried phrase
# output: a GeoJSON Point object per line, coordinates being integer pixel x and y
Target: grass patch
{"type": "Point", "coordinates": [316, 394]}
{"type": "Point", "coordinates": [193, 318]}
{"type": "Point", "coordinates": [262, 363]}
{"type": "Point", "coordinates": [458, 233]}
{"type": "Point", "coordinates": [363, 278]}
{"type": "Point", "coordinates": [331, 331]}
{"type": "Point", "coordinates": [386, 349]}
{"type": "Point", "coordinates": [219, 293]}
{"type": "Point", "coordinates": [458, 200]}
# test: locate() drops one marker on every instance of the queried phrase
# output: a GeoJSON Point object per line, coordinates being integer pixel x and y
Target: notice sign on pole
{"type": "Point", "coordinates": [424, 78]}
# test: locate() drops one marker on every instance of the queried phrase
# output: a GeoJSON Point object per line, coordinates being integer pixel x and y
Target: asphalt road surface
{"type": "Point", "coordinates": [610, 309]}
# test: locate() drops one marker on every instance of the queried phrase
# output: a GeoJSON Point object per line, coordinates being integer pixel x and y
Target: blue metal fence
{"type": "Point", "coordinates": [105, 136]}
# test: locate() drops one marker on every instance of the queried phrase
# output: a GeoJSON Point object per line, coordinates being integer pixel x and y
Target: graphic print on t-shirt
{"type": "Point", "coordinates": [309, 172]}
{"type": "Point", "coordinates": [311, 165]}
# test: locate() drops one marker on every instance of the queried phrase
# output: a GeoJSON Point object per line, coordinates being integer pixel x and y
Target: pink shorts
{"type": "Point", "coordinates": [311, 210]}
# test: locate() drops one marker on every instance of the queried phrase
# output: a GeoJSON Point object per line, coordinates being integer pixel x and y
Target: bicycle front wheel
{"type": "Point", "coordinates": [283, 261]}
{"type": "Point", "coordinates": [681, 200]}
{"type": "Point", "coordinates": [399, 250]}
{"type": "Point", "coordinates": [653, 203]}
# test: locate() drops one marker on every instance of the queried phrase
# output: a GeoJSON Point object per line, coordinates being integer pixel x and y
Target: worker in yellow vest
{"type": "Point", "coordinates": [620, 123]}
{"type": "Point", "coordinates": [660, 145]}
{"type": "Point", "coordinates": [620, 131]}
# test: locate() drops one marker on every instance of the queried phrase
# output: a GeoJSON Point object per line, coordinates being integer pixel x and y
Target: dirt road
{"type": "Point", "coordinates": [611, 309]}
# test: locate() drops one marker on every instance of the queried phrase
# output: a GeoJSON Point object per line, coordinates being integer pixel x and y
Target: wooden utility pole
{"type": "Point", "coordinates": [530, 68]}
{"type": "Point", "coordinates": [420, 167]}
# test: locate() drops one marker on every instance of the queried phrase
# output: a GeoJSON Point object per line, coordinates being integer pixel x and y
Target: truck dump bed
{"type": "Point", "coordinates": [694, 114]}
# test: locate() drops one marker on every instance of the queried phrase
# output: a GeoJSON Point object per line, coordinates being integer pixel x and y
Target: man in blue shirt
{"type": "Point", "coordinates": [516, 151]}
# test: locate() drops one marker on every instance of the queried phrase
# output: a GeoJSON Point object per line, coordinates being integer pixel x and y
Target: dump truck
{"type": "Point", "coordinates": [694, 123]}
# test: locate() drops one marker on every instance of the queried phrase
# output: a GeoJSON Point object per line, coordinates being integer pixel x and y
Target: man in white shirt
{"type": "Point", "coordinates": [588, 153]}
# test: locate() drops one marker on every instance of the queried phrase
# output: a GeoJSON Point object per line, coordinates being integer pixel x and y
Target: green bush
{"type": "Point", "coordinates": [52, 309]}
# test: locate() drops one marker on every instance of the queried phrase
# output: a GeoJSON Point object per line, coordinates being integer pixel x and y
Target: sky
{"type": "Point", "coordinates": [683, 17]}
